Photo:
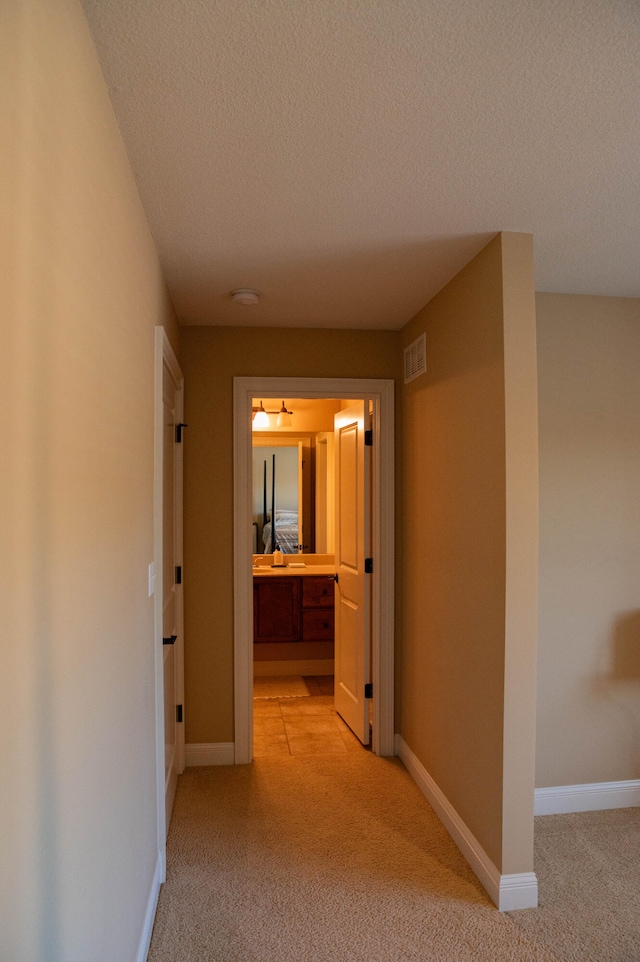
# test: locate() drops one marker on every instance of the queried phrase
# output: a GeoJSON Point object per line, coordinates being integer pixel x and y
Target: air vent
{"type": "Point", "coordinates": [415, 358]}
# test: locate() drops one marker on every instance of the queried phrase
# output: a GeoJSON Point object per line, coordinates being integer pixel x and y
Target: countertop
{"type": "Point", "coordinates": [269, 572]}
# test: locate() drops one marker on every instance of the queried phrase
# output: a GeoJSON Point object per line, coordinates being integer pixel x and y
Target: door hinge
{"type": "Point", "coordinates": [368, 438]}
{"type": "Point", "coordinates": [179, 428]}
{"type": "Point", "coordinates": [178, 713]}
{"type": "Point", "coordinates": [368, 566]}
{"type": "Point", "coordinates": [178, 574]}
{"type": "Point", "coordinates": [368, 690]}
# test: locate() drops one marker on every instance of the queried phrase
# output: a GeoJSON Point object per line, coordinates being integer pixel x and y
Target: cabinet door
{"type": "Point", "coordinates": [276, 609]}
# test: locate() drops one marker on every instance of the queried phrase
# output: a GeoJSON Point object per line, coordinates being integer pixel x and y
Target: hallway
{"type": "Point", "coordinates": [329, 858]}
{"type": "Point", "coordinates": [337, 857]}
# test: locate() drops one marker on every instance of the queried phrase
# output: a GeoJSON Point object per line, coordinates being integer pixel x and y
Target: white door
{"type": "Point", "coordinates": [172, 641]}
{"type": "Point", "coordinates": [352, 614]}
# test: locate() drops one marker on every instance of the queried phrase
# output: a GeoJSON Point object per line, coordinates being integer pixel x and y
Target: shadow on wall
{"type": "Point", "coordinates": [626, 647]}
{"type": "Point", "coordinates": [618, 684]}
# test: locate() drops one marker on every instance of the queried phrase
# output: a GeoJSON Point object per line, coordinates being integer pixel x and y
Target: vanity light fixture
{"type": "Point", "coordinates": [261, 417]}
{"type": "Point", "coordinates": [284, 417]}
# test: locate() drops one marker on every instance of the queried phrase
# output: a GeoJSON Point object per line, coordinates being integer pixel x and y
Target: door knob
{"type": "Point", "coordinates": [332, 577]}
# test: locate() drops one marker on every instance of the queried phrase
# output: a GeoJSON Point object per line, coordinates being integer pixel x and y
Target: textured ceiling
{"type": "Point", "coordinates": [347, 157]}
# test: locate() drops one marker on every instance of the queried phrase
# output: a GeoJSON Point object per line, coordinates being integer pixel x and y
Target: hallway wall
{"type": "Point", "coordinates": [469, 564]}
{"type": "Point", "coordinates": [211, 357]}
{"type": "Point", "coordinates": [467, 518]}
{"type": "Point", "coordinates": [82, 292]}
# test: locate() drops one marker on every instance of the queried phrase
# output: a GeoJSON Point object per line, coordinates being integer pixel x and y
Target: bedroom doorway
{"type": "Point", "coordinates": [378, 397]}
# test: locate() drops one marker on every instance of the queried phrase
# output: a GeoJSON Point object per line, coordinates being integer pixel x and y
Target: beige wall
{"type": "Point", "coordinates": [212, 357]}
{"type": "Point", "coordinates": [458, 519]}
{"type": "Point", "coordinates": [589, 658]}
{"type": "Point", "coordinates": [82, 292]}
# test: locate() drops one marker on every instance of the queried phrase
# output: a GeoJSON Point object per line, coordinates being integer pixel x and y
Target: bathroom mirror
{"type": "Point", "coordinates": [283, 483]}
{"type": "Point", "coordinates": [305, 473]}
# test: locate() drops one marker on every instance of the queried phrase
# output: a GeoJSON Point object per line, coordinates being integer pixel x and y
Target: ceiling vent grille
{"type": "Point", "coordinates": [415, 358]}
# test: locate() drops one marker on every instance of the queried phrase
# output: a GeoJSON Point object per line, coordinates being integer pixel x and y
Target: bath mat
{"type": "Point", "coordinates": [279, 686]}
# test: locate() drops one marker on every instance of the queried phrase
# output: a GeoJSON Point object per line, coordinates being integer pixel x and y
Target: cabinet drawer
{"type": "Point", "coordinates": [317, 592]}
{"type": "Point", "coordinates": [317, 624]}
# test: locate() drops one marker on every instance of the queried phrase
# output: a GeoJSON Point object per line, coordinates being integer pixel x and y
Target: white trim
{"type": "Point", "coordinates": [179, 557]}
{"type": "Point", "coordinates": [383, 505]}
{"type": "Point", "coordinates": [564, 799]}
{"type": "Point", "coordinates": [508, 892]}
{"type": "Point", "coordinates": [150, 914]}
{"type": "Point", "coordinates": [518, 891]}
{"type": "Point", "coordinates": [213, 753]}
{"type": "Point", "coordinates": [165, 356]}
{"type": "Point", "coordinates": [160, 339]}
{"type": "Point", "coordinates": [326, 439]}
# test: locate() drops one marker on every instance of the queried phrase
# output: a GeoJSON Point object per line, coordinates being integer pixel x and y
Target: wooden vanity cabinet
{"type": "Point", "coordinates": [292, 608]}
{"type": "Point", "coordinates": [276, 609]}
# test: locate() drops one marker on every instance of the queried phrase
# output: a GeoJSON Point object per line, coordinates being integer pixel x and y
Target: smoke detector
{"type": "Point", "coordinates": [244, 295]}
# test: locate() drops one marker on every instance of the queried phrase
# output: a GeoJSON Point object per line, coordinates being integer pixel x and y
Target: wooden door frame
{"type": "Point", "coordinates": [164, 355]}
{"type": "Point", "coordinates": [381, 392]}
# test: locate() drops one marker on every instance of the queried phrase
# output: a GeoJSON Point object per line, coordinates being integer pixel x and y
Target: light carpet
{"type": "Point", "coordinates": [332, 858]}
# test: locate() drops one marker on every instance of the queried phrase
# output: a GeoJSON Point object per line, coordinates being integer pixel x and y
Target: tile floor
{"type": "Point", "coordinates": [301, 726]}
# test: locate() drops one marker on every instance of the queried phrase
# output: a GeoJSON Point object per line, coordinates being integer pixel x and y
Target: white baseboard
{"type": "Point", "coordinates": [150, 914]}
{"type": "Point", "coordinates": [564, 799]}
{"type": "Point", "coordinates": [508, 892]}
{"type": "Point", "coordinates": [310, 666]}
{"type": "Point", "coordinates": [215, 753]}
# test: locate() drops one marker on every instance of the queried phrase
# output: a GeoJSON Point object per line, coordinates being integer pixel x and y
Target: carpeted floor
{"type": "Point", "coordinates": [588, 868]}
{"type": "Point", "coordinates": [340, 859]}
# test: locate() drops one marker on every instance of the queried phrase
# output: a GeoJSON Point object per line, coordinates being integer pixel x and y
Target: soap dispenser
{"type": "Point", "coordinates": [278, 557]}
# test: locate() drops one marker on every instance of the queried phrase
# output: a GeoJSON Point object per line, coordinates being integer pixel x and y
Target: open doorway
{"type": "Point", "coordinates": [311, 599]}
{"type": "Point", "coordinates": [379, 394]}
